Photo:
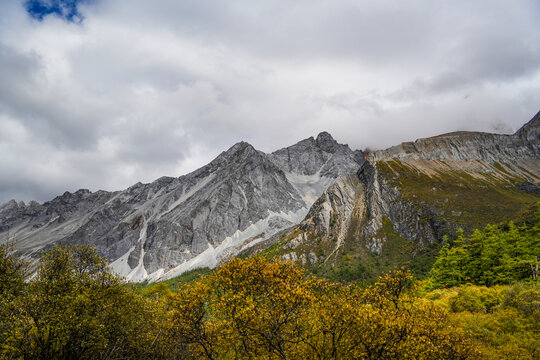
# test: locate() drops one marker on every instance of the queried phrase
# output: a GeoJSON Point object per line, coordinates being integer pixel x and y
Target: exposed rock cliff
{"type": "Point", "coordinates": [531, 131]}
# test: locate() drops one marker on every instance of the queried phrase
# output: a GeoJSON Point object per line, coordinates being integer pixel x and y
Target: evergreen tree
{"type": "Point", "coordinates": [495, 255]}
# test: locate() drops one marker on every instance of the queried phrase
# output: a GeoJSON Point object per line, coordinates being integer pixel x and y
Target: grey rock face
{"type": "Point", "coordinates": [166, 227]}
{"type": "Point", "coordinates": [33, 225]}
{"type": "Point", "coordinates": [472, 151]}
{"type": "Point", "coordinates": [335, 206]}
{"type": "Point", "coordinates": [323, 156]}
{"type": "Point", "coordinates": [530, 131]}
{"type": "Point", "coordinates": [312, 165]}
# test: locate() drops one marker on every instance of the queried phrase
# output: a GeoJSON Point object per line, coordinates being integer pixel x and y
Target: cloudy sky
{"type": "Point", "coordinates": [101, 94]}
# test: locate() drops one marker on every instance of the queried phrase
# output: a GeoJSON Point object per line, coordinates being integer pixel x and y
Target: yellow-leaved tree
{"type": "Point", "coordinates": [75, 308]}
{"type": "Point", "coordinates": [259, 309]}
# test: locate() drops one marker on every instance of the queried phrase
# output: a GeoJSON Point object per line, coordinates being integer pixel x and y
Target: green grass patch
{"type": "Point", "coordinates": [174, 283]}
{"type": "Point", "coordinates": [466, 201]}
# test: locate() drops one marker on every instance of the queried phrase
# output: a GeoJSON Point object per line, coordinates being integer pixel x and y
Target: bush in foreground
{"type": "Point", "coordinates": [255, 309]}
{"type": "Point", "coordinates": [76, 309]}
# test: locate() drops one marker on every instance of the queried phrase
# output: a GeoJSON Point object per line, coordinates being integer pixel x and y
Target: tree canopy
{"type": "Point", "coordinates": [498, 254]}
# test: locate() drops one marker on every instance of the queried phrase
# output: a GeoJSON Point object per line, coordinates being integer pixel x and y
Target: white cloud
{"type": "Point", "coordinates": [137, 91]}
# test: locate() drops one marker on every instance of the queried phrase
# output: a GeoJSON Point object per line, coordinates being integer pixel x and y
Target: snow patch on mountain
{"type": "Point", "coordinates": [232, 245]}
{"type": "Point", "coordinates": [120, 266]}
{"type": "Point", "coordinates": [139, 273]}
{"type": "Point", "coordinates": [310, 187]}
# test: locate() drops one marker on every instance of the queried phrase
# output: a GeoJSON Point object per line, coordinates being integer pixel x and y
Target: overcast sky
{"type": "Point", "coordinates": [102, 94]}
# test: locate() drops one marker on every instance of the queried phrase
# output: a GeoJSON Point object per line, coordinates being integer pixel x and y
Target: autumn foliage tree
{"type": "Point", "coordinates": [255, 309]}
{"type": "Point", "coordinates": [245, 309]}
{"type": "Point", "coordinates": [12, 272]}
{"type": "Point", "coordinates": [75, 308]}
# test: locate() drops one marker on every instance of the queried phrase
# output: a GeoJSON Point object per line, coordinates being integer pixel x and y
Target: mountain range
{"type": "Point", "coordinates": [161, 229]}
{"type": "Point", "coordinates": [316, 202]}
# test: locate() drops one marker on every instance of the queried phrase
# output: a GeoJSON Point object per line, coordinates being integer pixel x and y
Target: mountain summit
{"type": "Point", "coordinates": [531, 130]}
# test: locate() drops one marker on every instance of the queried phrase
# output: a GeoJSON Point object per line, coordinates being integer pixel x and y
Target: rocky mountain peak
{"type": "Point", "coordinates": [531, 130]}
{"type": "Point", "coordinates": [326, 142]}
{"type": "Point", "coordinates": [238, 154]}
{"type": "Point", "coordinates": [468, 146]}
{"type": "Point", "coordinates": [11, 204]}
{"type": "Point", "coordinates": [241, 148]}
{"type": "Point", "coordinates": [324, 137]}
{"type": "Point", "coordinates": [322, 155]}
